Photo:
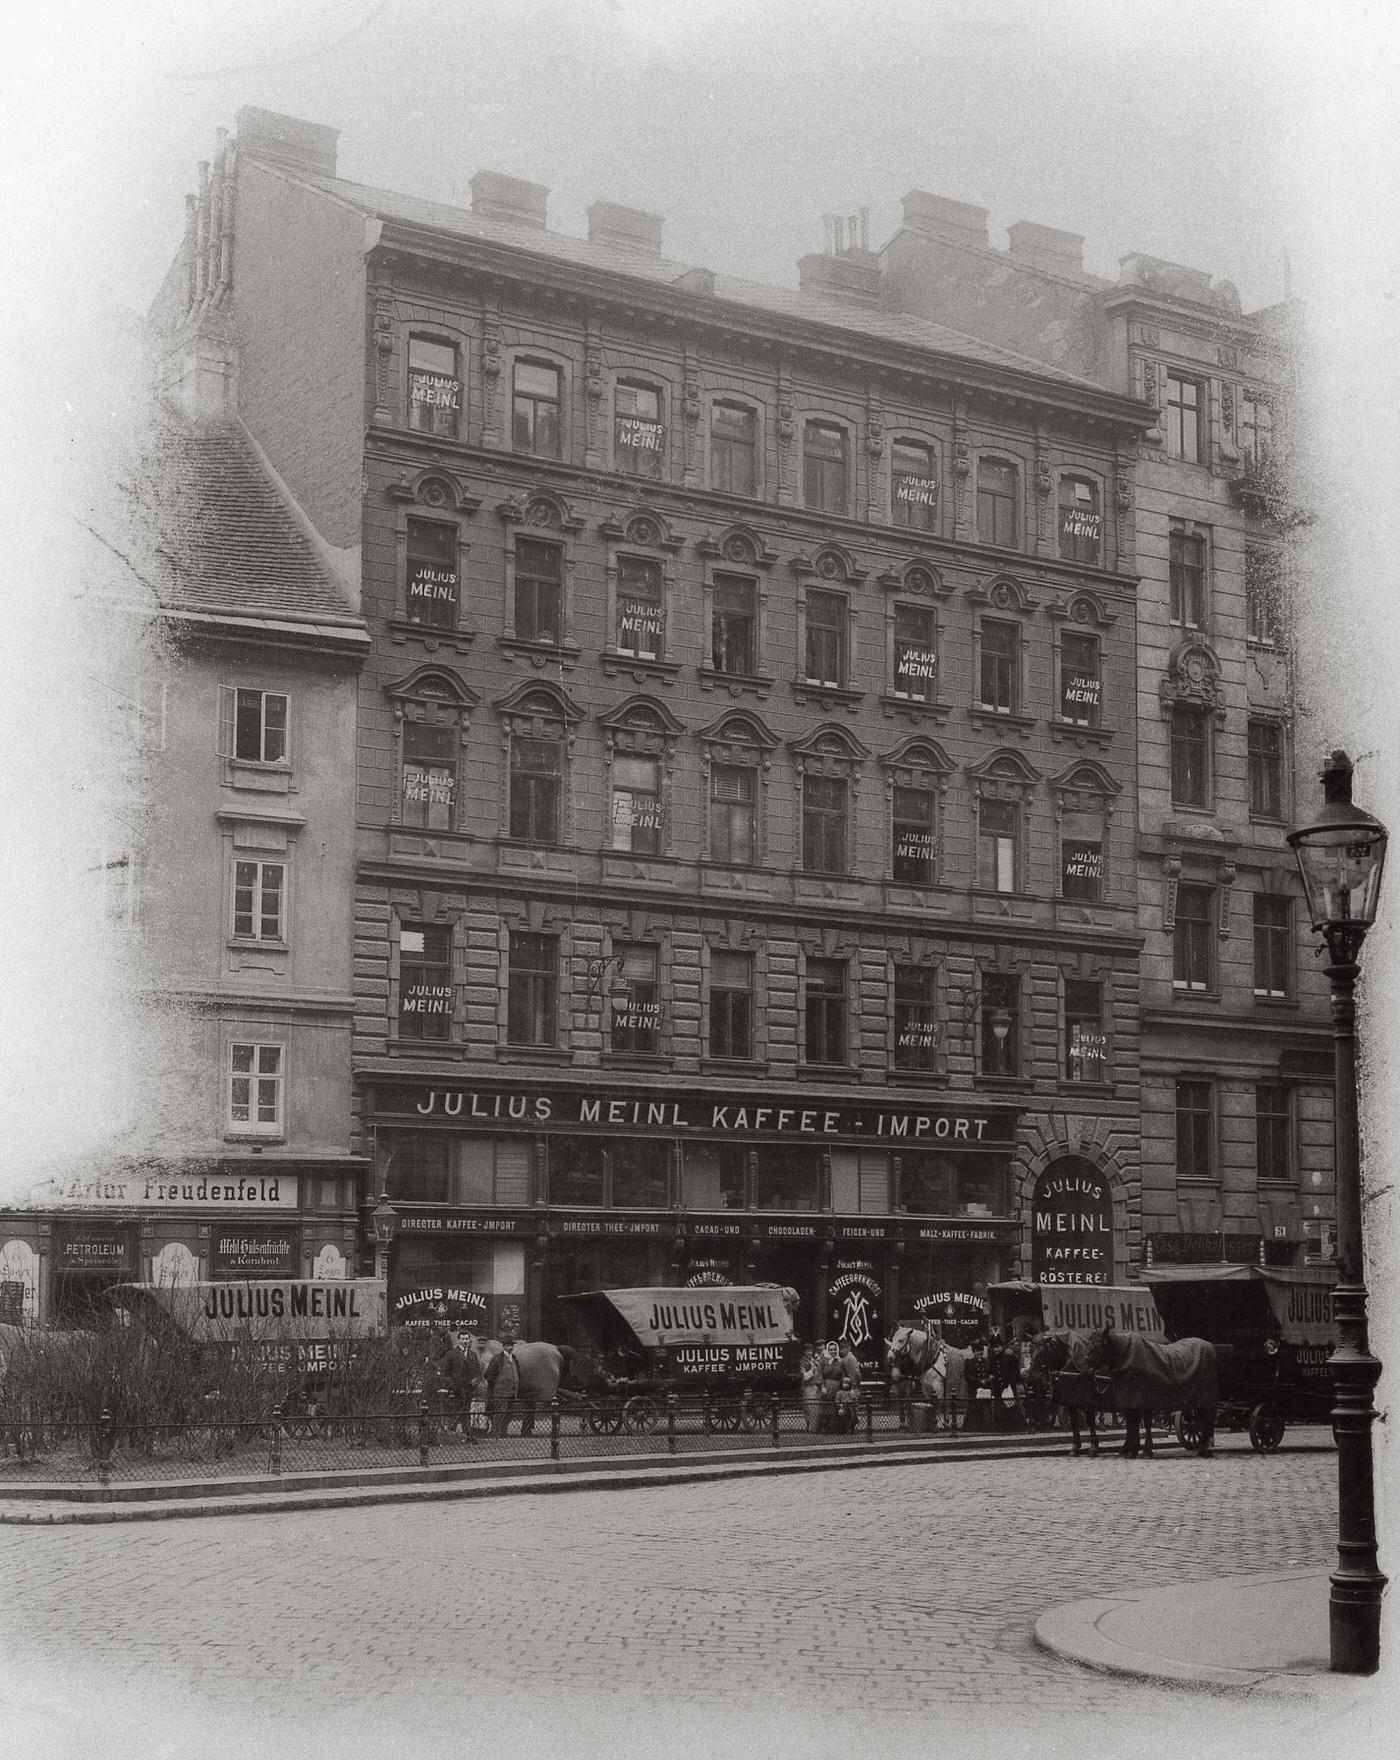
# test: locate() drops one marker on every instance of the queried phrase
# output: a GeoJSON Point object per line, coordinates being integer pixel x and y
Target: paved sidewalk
{"type": "Point", "coordinates": [1241, 1631]}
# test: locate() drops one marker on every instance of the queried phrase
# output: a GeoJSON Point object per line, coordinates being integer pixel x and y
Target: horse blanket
{"type": "Point", "coordinates": [1149, 1376]}
{"type": "Point", "coordinates": [542, 1366]}
{"type": "Point", "coordinates": [1073, 1385]}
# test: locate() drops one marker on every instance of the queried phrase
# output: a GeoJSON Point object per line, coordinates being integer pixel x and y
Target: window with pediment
{"type": "Point", "coordinates": [1002, 788]}
{"type": "Point", "coordinates": [432, 716]}
{"type": "Point", "coordinates": [1192, 705]}
{"type": "Point", "coordinates": [537, 725]}
{"type": "Point", "coordinates": [916, 781]}
{"type": "Point", "coordinates": [539, 565]}
{"type": "Point", "coordinates": [828, 765]}
{"type": "Point", "coordinates": [1084, 796]}
{"type": "Point", "coordinates": [736, 755]}
{"type": "Point", "coordinates": [735, 612]}
{"type": "Point", "coordinates": [640, 740]}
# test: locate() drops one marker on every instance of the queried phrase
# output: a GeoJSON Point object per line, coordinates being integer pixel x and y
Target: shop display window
{"type": "Point", "coordinates": [788, 1179]}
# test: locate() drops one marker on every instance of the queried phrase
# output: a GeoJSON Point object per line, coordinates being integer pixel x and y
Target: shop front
{"type": "Point", "coordinates": [518, 1197]}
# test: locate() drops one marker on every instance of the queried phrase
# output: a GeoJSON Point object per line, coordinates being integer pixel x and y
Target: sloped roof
{"type": "Point", "coordinates": [877, 323]}
{"type": "Point", "coordinates": [217, 535]}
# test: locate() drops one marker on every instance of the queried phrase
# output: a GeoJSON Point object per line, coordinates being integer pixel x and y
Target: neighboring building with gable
{"type": "Point", "coordinates": [230, 665]}
{"type": "Point", "coordinates": [1236, 1028]}
{"type": "Point", "coordinates": [746, 804]}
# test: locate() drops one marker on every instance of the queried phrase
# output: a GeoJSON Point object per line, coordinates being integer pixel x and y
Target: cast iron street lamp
{"type": "Point", "coordinates": [1340, 857]}
{"type": "Point", "coordinates": [383, 1219]}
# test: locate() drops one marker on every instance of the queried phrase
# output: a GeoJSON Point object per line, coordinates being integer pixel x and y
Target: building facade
{"type": "Point", "coordinates": [747, 751]}
{"type": "Point", "coordinates": [230, 671]}
{"type": "Point", "coordinates": [1237, 1151]}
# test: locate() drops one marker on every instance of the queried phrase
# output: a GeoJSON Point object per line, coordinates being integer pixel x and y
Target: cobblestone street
{"type": "Point", "coordinates": [865, 1611]}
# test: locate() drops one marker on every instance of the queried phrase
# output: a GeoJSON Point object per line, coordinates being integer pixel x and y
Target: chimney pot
{"type": "Point", "coordinates": [498, 197]}
{"type": "Point", "coordinates": [627, 229]}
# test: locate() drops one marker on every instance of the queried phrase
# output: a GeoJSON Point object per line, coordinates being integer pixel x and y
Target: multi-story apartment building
{"type": "Point", "coordinates": [746, 811]}
{"type": "Point", "coordinates": [1237, 1157]}
{"type": "Point", "coordinates": [227, 671]}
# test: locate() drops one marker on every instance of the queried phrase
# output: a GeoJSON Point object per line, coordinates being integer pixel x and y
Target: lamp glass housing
{"type": "Point", "coordinates": [1340, 863]}
{"type": "Point", "coordinates": [384, 1218]}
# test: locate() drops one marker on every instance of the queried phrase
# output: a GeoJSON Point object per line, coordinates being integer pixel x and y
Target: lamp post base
{"type": "Point", "coordinates": [1354, 1615]}
{"type": "Point", "coordinates": [1354, 1624]}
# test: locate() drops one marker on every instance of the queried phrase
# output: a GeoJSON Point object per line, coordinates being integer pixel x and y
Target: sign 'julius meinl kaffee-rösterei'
{"type": "Point", "coordinates": [1072, 1225]}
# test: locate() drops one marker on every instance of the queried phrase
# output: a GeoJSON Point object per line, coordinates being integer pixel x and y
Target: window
{"type": "Point", "coordinates": [927, 1181]}
{"type": "Point", "coordinates": [1081, 536]}
{"type": "Point", "coordinates": [1081, 679]}
{"type": "Point", "coordinates": [429, 775]}
{"type": "Point", "coordinates": [640, 1173]}
{"type": "Point", "coordinates": [1266, 769]}
{"type": "Point", "coordinates": [532, 998]}
{"type": "Point", "coordinates": [1263, 622]}
{"type": "Point", "coordinates": [735, 632]}
{"type": "Point", "coordinates": [1273, 945]}
{"type": "Point", "coordinates": [731, 1005]}
{"type": "Point", "coordinates": [915, 1022]}
{"type": "Point", "coordinates": [434, 387]}
{"type": "Point", "coordinates": [825, 1008]}
{"type": "Point", "coordinates": [425, 981]}
{"type": "Point", "coordinates": [636, 805]}
{"type": "Point", "coordinates": [1273, 1132]}
{"type": "Point", "coordinates": [536, 782]}
{"type": "Point", "coordinates": [253, 725]}
{"type": "Point", "coordinates": [1190, 756]}
{"type": "Point", "coordinates": [535, 409]}
{"type": "Point", "coordinates": [638, 436]}
{"type": "Point", "coordinates": [255, 1088]}
{"type": "Point", "coordinates": [1183, 418]}
{"type": "Point", "coordinates": [1195, 1117]}
{"type": "Point", "coordinates": [259, 897]}
{"type": "Point", "coordinates": [914, 849]}
{"type": "Point", "coordinates": [733, 449]}
{"type": "Point", "coordinates": [824, 824]}
{"type": "Point", "coordinates": [636, 1008]}
{"type": "Point", "coordinates": [733, 816]}
{"type": "Point", "coordinates": [418, 1167]}
{"type": "Point", "coordinates": [1001, 1024]}
{"type": "Point", "coordinates": [826, 638]}
{"type": "Point", "coordinates": [997, 827]}
{"type": "Point", "coordinates": [539, 591]}
{"type": "Point", "coordinates": [997, 487]}
{"type": "Point", "coordinates": [1187, 563]}
{"type": "Point", "coordinates": [787, 1179]}
{"type": "Point", "coordinates": [431, 587]}
{"type": "Point", "coordinates": [1081, 857]}
{"type": "Point", "coordinates": [640, 614]}
{"type": "Point", "coordinates": [915, 486]}
{"type": "Point", "coordinates": [576, 1171]}
{"type": "Point", "coordinates": [1256, 429]}
{"type": "Point", "coordinates": [1086, 1043]}
{"type": "Point", "coordinates": [824, 473]}
{"type": "Point", "coordinates": [1000, 657]}
{"type": "Point", "coordinates": [915, 654]}
{"type": "Point", "coordinates": [1192, 965]}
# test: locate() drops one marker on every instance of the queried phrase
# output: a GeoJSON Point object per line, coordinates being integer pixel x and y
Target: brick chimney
{"type": "Point", "coordinates": [626, 229]}
{"type": "Point", "coordinates": [847, 269]}
{"type": "Point", "coordinates": [940, 217]}
{"type": "Point", "coordinates": [1047, 247]}
{"type": "Point", "coordinates": [498, 197]}
{"type": "Point", "coordinates": [287, 141]}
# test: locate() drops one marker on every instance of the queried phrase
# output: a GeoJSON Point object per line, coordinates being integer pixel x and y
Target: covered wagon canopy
{"type": "Point", "coordinates": [1241, 1298]}
{"type": "Point", "coordinates": [1077, 1307]}
{"type": "Point", "coordinates": [732, 1315]}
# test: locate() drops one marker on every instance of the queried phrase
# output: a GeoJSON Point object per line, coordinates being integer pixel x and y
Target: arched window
{"type": "Point", "coordinates": [434, 386]}
{"type": "Point", "coordinates": [998, 492]}
{"type": "Point", "coordinates": [638, 434]}
{"type": "Point", "coordinates": [1081, 537]}
{"type": "Point", "coordinates": [825, 468]}
{"type": "Point", "coordinates": [914, 486]}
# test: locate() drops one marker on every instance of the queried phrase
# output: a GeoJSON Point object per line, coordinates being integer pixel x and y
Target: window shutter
{"type": "Point", "coordinates": [227, 705]}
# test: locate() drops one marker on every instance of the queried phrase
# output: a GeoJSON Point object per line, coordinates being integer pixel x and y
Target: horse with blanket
{"type": "Point", "coordinates": [936, 1368]}
{"type": "Point", "coordinates": [1146, 1376]}
{"type": "Point", "coordinates": [1059, 1373]}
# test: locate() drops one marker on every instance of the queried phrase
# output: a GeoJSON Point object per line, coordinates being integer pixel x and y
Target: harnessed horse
{"type": "Point", "coordinates": [940, 1371]}
{"type": "Point", "coordinates": [1060, 1364]}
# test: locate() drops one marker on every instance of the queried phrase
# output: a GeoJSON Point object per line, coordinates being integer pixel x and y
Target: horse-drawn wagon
{"type": "Point", "coordinates": [1273, 1332]}
{"type": "Point", "coordinates": [719, 1347]}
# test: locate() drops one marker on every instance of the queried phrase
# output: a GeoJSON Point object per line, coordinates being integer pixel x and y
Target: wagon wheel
{"type": "Point", "coordinates": [1191, 1430]}
{"type": "Point", "coordinates": [641, 1413]}
{"type": "Point", "coordinates": [1265, 1428]}
{"type": "Point", "coordinates": [726, 1415]}
{"type": "Point", "coordinates": [603, 1416]}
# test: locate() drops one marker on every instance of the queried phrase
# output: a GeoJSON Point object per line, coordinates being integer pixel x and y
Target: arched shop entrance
{"type": "Point", "coordinates": [1072, 1224]}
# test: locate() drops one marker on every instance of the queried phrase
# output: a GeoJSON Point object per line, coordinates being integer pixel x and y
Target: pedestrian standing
{"type": "Point", "coordinates": [810, 1376]}
{"type": "Point", "coordinates": [505, 1386]}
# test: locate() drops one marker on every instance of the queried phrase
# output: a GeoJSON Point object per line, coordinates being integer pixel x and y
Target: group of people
{"type": "Point", "coordinates": [475, 1388]}
{"type": "Point", "coordinates": [830, 1377]}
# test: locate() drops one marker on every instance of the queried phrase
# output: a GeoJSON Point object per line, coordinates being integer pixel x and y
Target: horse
{"type": "Point", "coordinates": [1146, 1376]}
{"type": "Point", "coordinates": [939, 1370]}
{"type": "Point", "coordinates": [1059, 1364]}
{"type": "Point", "coordinates": [542, 1367]}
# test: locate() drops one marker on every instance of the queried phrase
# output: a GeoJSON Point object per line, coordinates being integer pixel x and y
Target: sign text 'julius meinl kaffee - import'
{"type": "Point", "coordinates": [752, 1115]}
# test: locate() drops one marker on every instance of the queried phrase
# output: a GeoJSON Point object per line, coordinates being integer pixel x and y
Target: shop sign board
{"type": "Point", "coordinates": [291, 1308]}
{"type": "Point", "coordinates": [459, 1222]}
{"type": "Point", "coordinates": [956, 1314]}
{"type": "Point", "coordinates": [89, 1248]}
{"type": "Point", "coordinates": [176, 1189]}
{"type": "Point", "coordinates": [440, 1305]}
{"type": "Point", "coordinates": [254, 1252]}
{"type": "Point", "coordinates": [1072, 1225]}
{"type": "Point", "coordinates": [1204, 1247]}
{"type": "Point", "coordinates": [754, 1116]}
{"type": "Point", "coordinates": [855, 1310]}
